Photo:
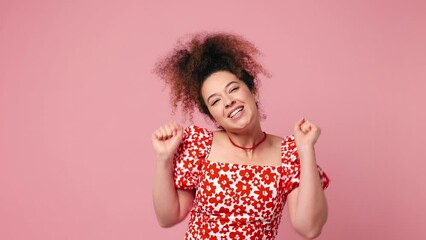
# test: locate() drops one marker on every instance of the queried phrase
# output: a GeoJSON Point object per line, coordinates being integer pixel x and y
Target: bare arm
{"type": "Point", "coordinates": [307, 204]}
{"type": "Point", "coordinates": [171, 205]}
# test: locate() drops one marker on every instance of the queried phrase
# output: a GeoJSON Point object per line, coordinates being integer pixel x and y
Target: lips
{"type": "Point", "coordinates": [235, 111]}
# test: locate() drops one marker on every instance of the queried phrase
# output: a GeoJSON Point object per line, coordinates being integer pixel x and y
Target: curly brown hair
{"type": "Point", "coordinates": [190, 63]}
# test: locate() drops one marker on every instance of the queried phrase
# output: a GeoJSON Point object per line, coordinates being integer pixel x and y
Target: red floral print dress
{"type": "Point", "coordinates": [234, 201]}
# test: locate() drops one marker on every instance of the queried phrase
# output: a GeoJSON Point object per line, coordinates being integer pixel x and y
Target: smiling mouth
{"type": "Point", "coordinates": [233, 113]}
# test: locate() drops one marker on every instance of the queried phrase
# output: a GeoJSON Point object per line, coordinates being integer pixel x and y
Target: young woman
{"type": "Point", "coordinates": [233, 181]}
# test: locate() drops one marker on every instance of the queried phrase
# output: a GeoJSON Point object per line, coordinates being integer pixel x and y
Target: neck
{"type": "Point", "coordinates": [247, 139]}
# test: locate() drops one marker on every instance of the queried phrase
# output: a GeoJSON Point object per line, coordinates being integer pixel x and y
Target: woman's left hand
{"type": "Point", "coordinates": [306, 133]}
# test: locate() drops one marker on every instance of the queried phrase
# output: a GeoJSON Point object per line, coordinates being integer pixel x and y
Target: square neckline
{"type": "Point", "coordinates": [209, 146]}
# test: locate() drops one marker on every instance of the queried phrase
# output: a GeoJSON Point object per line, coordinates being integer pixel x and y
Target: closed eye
{"type": "Point", "coordinates": [214, 102]}
{"type": "Point", "coordinates": [234, 89]}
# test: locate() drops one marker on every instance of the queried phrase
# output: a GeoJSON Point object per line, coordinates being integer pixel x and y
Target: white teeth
{"type": "Point", "coordinates": [235, 112]}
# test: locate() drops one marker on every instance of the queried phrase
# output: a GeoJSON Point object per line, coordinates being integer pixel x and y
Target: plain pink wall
{"type": "Point", "coordinates": [78, 104]}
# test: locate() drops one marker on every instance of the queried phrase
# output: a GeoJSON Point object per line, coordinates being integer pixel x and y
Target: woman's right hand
{"type": "Point", "coordinates": [166, 140]}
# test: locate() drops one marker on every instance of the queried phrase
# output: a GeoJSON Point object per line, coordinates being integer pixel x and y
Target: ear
{"type": "Point", "coordinates": [255, 93]}
{"type": "Point", "coordinates": [256, 97]}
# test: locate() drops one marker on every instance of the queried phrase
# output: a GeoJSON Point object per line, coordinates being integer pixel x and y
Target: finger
{"type": "Point", "coordinates": [303, 128]}
{"type": "Point", "coordinates": [163, 133]}
{"type": "Point", "coordinates": [167, 130]}
{"type": "Point", "coordinates": [298, 124]}
{"type": "Point", "coordinates": [174, 128]}
{"type": "Point", "coordinates": [306, 126]}
{"type": "Point", "coordinates": [313, 127]}
{"type": "Point", "coordinates": [157, 134]}
{"type": "Point", "coordinates": [178, 128]}
{"type": "Point", "coordinates": [170, 130]}
{"type": "Point", "coordinates": [154, 136]}
{"type": "Point", "coordinates": [177, 125]}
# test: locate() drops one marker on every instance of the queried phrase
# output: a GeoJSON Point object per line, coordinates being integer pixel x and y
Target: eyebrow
{"type": "Point", "coordinates": [227, 85]}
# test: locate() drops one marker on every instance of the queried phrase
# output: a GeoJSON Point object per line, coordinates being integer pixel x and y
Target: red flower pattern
{"type": "Point", "coordinates": [267, 176]}
{"type": "Point", "coordinates": [246, 174]}
{"type": "Point", "coordinates": [224, 181]}
{"type": "Point", "coordinates": [234, 201]}
{"type": "Point", "coordinates": [243, 188]}
{"type": "Point", "coordinates": [212, 171]}
{"type": "Point", "coordinates": [263, 193]}
{"type": "Point", "coordinates": [209, 188]}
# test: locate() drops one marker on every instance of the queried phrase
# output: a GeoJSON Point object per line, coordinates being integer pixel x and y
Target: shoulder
{"type": "Point", "coordinates": [286, 142]}
{"type": "Point", "coordinates": [289, 148]}
{"type": "Point", "coordinates": [197, 138]}
{"type": "Point", "coordinates": [196, 142]}
{"type": "Point", "coordinates": [197, 133]}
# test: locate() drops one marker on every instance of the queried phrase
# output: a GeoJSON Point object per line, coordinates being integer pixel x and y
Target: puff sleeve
{"type": "Point", "coordinates": [190, 155]}
{"type": "Point", "coordinates": [291, 166]}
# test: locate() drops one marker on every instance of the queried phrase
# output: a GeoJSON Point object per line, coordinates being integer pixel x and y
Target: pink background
{"type": "Point", "coordinates": [78, 104]}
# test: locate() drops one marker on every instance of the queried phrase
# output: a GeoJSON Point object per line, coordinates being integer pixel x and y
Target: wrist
{"type": "Point", "coordinates": [164, 162]}
{"type": "Point", "coordinates": [306, 152]}
{"type": "Point", "coordinates": [305, 148]}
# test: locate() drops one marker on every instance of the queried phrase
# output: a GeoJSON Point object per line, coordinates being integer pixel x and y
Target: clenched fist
{"type": "Point", "coordinates": [166, 140]}
{"type": "Point", "coordinates": [306, 133]}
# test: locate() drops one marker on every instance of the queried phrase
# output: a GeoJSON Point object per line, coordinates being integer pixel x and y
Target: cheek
{"type": "Point", "coordinates": [215, 112]}
{"type": "Point", "coordinates": [248, 96]}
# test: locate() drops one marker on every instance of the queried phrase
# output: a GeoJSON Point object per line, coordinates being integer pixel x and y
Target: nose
{"type": "Point", "coordinates": [228, 101]}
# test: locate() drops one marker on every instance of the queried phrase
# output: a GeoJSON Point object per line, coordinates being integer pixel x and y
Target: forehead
{"type": "Point", "coordinates": [217, 81]}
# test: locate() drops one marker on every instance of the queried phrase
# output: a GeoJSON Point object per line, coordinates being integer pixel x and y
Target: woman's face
{"type": "Point", "coordinates": [230, 101]}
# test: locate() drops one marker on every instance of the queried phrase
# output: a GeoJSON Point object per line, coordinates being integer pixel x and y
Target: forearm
{"type": "Point", "coordinates": [311, 204]}
{"type": "Point", "coordinates": [165, 197]}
